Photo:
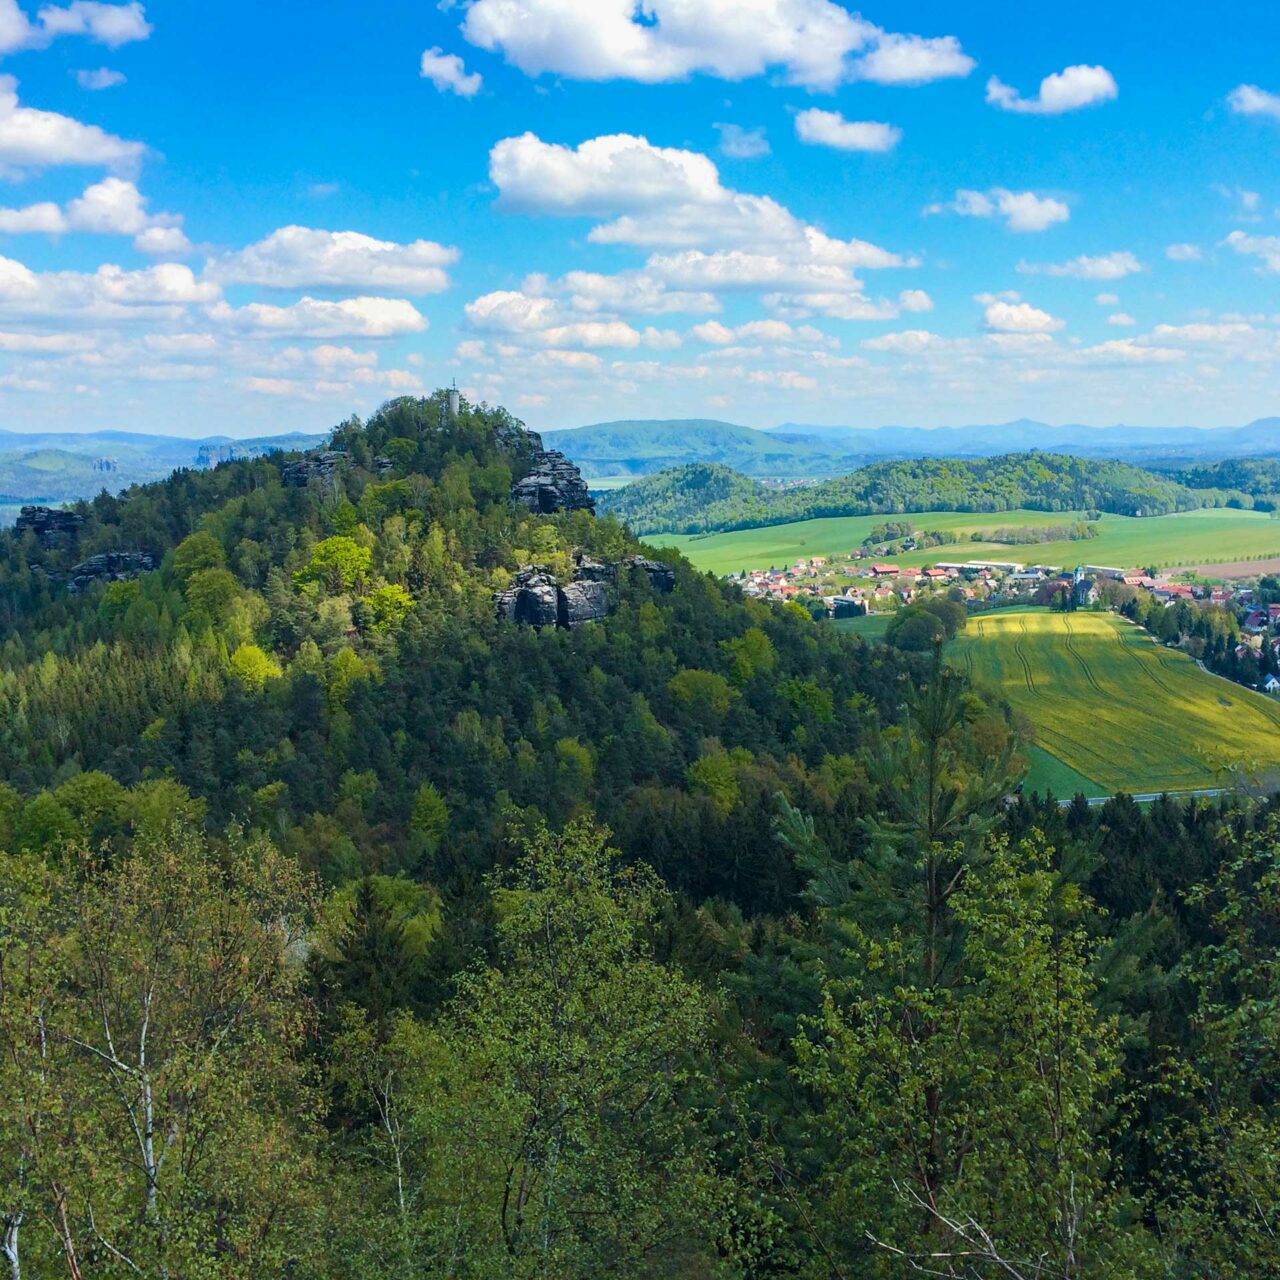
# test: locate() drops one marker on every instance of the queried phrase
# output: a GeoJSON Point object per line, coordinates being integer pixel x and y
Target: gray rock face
{"type": "Point", "coordinates": [517, 439]}
{"type": "Point", "coordinates": [553, 484]}
{"type": "Point", "coordinates": [533, 599]}
{"type": "Point", "coordinates": [110, 566]}
{"type": "Point", "coordinates": [587, 569]}
{"type": "Point", "coordinates": [662, 577]}
{"type": "Point", "coordinates": [52, 527]}
{"type": "Point", "coordinates": [583, 602]}
{"type": "Point", "coordinates": [537, 599]}
{"type": "Point", "coordinates": [313, 466]}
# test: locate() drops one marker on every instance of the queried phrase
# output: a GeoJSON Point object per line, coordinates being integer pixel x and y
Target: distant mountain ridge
{"type": "Point", "coordinates": [56, 467]}
{"type": "Point", "coordinates": [641, 447]}
{"type": "Point", "coordinates": [637, 447]}
{"type": "Point", "coordinates": [1262, 436]}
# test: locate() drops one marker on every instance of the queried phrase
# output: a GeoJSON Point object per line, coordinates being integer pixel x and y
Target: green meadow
{"type": "Point", "coordinates": [1113, 709]}
{"type": "Point", "coordinates": [1194, 537]}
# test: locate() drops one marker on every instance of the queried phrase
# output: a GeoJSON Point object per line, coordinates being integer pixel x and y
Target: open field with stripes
{"type": "Point", "coordinates": [1189, 538]}
{"type": "Point", "coordinates": [1116, 709]}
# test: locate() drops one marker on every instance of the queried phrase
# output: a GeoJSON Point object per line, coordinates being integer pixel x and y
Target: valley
{"type": "Point", "coordinates": [1201, 537]}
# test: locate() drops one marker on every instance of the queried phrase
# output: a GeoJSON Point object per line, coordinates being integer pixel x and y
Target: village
{"type": "Point", "coordinates": [856, 586]}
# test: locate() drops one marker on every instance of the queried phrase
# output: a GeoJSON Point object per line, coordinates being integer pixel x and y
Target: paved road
{"type": "Point", "coordinates": [1149, 796]}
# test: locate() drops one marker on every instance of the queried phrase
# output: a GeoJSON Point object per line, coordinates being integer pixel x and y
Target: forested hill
{"type": "Point", "coordinates": [699, 499]}
{"type": "Point", "coordinates": [316, 960]}
{"type": "Point", "coordinates": [324, 660]}
{"type": "Point", "coordinates": [1257, 477]}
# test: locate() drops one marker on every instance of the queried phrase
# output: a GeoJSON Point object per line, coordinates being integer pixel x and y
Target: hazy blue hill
{"type": "Point", "coordinates": [643, 447]}
{"type": "Point", "coordinates": [1154, 445]}
{"type": "Point", "coordinates": [56, 467]}
{"type": "Point", "coordinates": [807, 451]}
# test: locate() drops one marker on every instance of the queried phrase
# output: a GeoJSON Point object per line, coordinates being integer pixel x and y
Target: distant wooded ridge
{"type": "Point", "coordinates": [705, 498]}
{"type": "Point", "coordinates": [793, 450]}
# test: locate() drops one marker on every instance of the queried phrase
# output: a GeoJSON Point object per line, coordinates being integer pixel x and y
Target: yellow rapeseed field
{"type": "Point", "coordinates": [1115, 706]}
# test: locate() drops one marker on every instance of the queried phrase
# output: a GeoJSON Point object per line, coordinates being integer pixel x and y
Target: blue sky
{"type": "Point", "coordinates": [245, 218]}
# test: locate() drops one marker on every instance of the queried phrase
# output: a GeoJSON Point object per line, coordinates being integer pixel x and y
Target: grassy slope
{"type": "Point", "coordinates": [1193, 537]}
{"type": "Point", "coordinates": [871, 627]}
{"type": "Point", "coordinates": [1115, 707]}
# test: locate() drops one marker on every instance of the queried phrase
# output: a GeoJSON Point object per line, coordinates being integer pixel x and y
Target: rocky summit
{"type": "Point", "coordinates": [320, 465]}
{"type": "Point", "coordinates": [51, 526]}
{"type": "Point", "coordinates": [110, 566]}
{"type": "Point", "coordinates": [552, 484]}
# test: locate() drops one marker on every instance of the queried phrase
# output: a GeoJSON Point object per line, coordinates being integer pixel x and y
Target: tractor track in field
{"type": "Point", "coordinates": [1022, 658]}
{"type": "Point", "coordinates": [1079, 657]}
{"type": "Point", "coordinates": [1145, 666]}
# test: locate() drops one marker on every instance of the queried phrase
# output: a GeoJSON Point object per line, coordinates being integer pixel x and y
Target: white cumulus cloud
{"type": "Point", "coordinates": [108, 24]}
{"type": "Point", "coordinates": [33, 139]}
{"type": "Point", "coordinates": [1265, 248]}
{"type": "Point", "coordinates": [739, 143]}
{"type": "Point", "coordinates": [1249, 100]}
{"type": "Point", "coordinates": [308, 258]}
{"type": "Point", "coordinates": [831, 129]}
{"type": "Point", "coordinates": [365, 317]}
{"type": "Point", "coordinates": [609, 174]}
{"type": "Point", "coordinates": [1107, 266]}
{"type": "Point", "coordinates": [1183, 253]}
{"type": "Point", "coordinates": [113, 206]}
{"type": "Point", "coordinates": [1021, 210]}
{"type": "Point", "coordinates": [98, 78]}
{"type": "Point", "coordinates": [815, 43]}
{"type": "Point", "coordinates": [1067, 90]}
{"type": "Point", "coordinates": [447, 72]}
{"type": "Point", "coordinates": [1004, 316]}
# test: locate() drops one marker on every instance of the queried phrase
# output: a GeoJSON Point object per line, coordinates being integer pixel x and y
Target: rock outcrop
{"type": "Point", "coordinates": [662, 577]}
{"type": "Point", "coordinates": [537, 599]}
{"type": "Point", "coordinates": [109, 566]}
{"type": "Point", "coordinates": [532, 599]}
{"type": "Point", "coordinates": [583, 602]}
{"type": "Point", "coordinates": [553, 484]}
{"type": "Point", "coordinates": [52, 527]}
{"type": "Point", "coordinates": [313, 466]}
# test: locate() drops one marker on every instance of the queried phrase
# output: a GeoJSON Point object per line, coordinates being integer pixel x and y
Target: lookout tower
{"type": "Point", "coordinates": [450, 405]}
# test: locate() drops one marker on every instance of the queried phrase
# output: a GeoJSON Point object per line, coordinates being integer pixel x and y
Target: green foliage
{"type": "Point", "coordinates": [429, 820]}
{"type": "Point", "coordinates": [716, 777]}
{"type": "Point", "coordinates": [706, 694]}
{"type": "Point", "coordinates": [536, 1126]}
{"type": "Point", "coordinates": [752, 654]}
{"type": "Point", "coordinates": [700, 498]}
{"type": "Point", "coordinates": [339, 564]}
{"type": "Point", "coordinates": [387, 606]}
{"type": "Point", "coordinates": [253, 668]}
{"type": "Point", "coordinates": [211, 593]}
{"type": "Point", "coordinates": [199, 551]}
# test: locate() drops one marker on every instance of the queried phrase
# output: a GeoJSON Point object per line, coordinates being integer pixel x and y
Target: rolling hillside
{"type": "Point", "coordinates": [696, 500]}
{"type": "Point", "coordinates": [1120, 710]}
{"type": "Point", "coordinates": [1206, 537]}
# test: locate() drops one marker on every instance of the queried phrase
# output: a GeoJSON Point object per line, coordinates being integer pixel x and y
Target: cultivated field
{"type": "Point", "coordinates": [1116, 708]}
{"type": "Point", "coordinates": [1190, 538]}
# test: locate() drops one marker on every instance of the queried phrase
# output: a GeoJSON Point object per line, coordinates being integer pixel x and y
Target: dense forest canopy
{"type": "Point", "coordinates": [347, 930]}
{"type": "Point", "coordinates": [706, 498]}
